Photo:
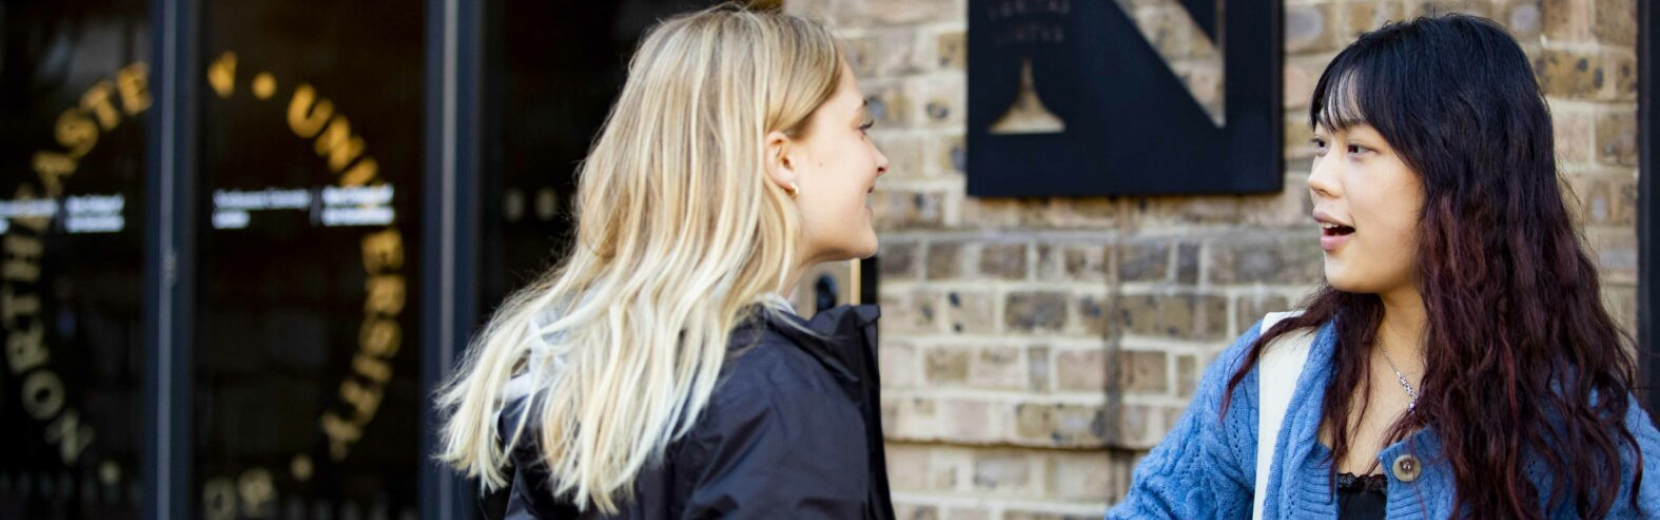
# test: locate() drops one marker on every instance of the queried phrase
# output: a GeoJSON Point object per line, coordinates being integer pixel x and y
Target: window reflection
{"type": "Point", "coordinates": [306, 361]}
{"type": "Point", "coordinates": [72, 135]}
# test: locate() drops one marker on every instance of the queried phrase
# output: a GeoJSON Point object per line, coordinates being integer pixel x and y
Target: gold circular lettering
{"type": "Point", "coordinates": [264, 86]}
{"type": "Point", "coordinates": [42, 394]}
{"type": "Point", "coordinates": [219, 499]}
{"type": "Point", "coordinates": [300, 468]}
{"type": "Point", "coordinates": [256, 491]}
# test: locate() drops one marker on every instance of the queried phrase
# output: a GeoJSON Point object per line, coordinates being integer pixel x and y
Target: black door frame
{"type": "Point", "coordinates": [169, 270]}
{"type": "Point", "coordinates": [1648, 234]}
{"type": "Point", "coordinates": [450, 225]}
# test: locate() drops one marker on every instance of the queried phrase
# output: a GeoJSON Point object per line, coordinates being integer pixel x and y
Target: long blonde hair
{"type": "Point", "coordinates": [680, 234]}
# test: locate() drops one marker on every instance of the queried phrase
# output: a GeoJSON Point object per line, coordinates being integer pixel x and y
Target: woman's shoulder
{"type": "Point", "coordinates": [1219, 374]}
{"type": "Point", "coordinates": [761, 358]}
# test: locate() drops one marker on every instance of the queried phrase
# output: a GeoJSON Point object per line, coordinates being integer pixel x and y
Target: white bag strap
{"type": "Point", "coordinates": [1277, 372]}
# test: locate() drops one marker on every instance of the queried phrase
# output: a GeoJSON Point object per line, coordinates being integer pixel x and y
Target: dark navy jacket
{"type": "Point", "coordinates": [793, 430]}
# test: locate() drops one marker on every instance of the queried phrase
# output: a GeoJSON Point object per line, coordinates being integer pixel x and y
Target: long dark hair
{"type": "Point", "coordinates": [1522, 363]}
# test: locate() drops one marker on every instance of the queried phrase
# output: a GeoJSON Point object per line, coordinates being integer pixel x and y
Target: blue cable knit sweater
{"type": "Point", "coordinates": [1206, 467]}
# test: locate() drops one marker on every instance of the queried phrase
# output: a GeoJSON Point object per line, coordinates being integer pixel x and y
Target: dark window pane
{"type": "Point", "coordinates": [306, 358]}
{"type": "Point", "coordinates": [72, 139]}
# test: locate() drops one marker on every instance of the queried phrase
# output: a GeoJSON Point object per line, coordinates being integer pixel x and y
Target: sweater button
{"type": "Point", "coordinates": [1407, 468]}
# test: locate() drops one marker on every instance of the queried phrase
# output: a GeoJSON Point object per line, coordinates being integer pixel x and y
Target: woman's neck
{"type": "Point", "coordinates": [1401, 331]}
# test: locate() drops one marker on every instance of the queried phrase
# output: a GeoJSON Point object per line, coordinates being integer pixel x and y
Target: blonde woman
{"type": "Point", "coordinates": [658, 372]}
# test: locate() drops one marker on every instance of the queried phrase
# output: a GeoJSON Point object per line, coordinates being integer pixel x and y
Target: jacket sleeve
{"type": "Point", "coordinates": [1205, 466]}
{"type": "Point", "coordinates": [778, 452]}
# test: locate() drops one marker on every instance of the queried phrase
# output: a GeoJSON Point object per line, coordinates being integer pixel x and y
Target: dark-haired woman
{"type": "Point", "coordinates": [1458, 362]}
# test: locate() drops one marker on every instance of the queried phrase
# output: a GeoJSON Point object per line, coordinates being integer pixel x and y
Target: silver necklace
{"type": "Point", "coordinates": [1411, 406]}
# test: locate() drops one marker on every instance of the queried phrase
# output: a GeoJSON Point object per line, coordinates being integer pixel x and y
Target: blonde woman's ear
{"type": "Point", "coordinates": [779, 169]}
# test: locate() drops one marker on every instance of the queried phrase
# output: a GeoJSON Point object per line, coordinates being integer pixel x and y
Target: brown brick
{"type": "Point", "coordinates": [905, 155]}
{"type": "Point", "coordinates": [889, 104]}
{"type": "Point", "coordinates": [1076, 262]}
{"type": "Point", "coordinates": [1251, 309]}
{"type": "Point", "coordinates": [943, 102]}
{"type": "Point", "coordinates": [1080, 475]}
{"type": "Point", "coordinates": [1140, 372]}
{"type": "Point", "coordinates": [915, 511]}
{"type": "Point", "coordinates": [1615, 252]}
{"type": "Point", "coordinates": [913, 312]}
{"type": "Point", "coordinates": [900, 209]}
{"type": "Point", "coordinates": [882, 52]}
{"type": "Point", "coordinates": [1616, 22]}
{"type": "Point", "coordinates": [1569, 74]}
{"type": "Point", "coordinates": [1621, 301]}
{"type": "Point", "coordinates": [1172, 315]}
{"type": "Point", "coordinates": [1081, 370]}
{"type": "Point", "coordinates": [1617, 139]}
{"type": "Point", "coordinates": [970, 422]}
{"type": "Point", "coordinates": [1308, 28]}
{"type": "Point", "coordinates": [1188, 373]}
{"type": "Point", "coordinates": [1573, 136]}
{"type": "Point", "coordinates": [1093, 311]}
{"type": "Point", "coordinates": [1187, 263]}
{"type": "Point", "coordinates": [1132, 426]}
{"type": "Point", "coordinates": [1524, 20]}
{"type": "Point", "coordinates": [898, 260]}
{"type": "Point", "coordinates": [1621, 67]}
{"type": "Point", "coordinates": [951, 50]}
{"type": "Point", "coordinates": [945, 260]}
{"type": "Point", "coordinates": [1002, 471]}
{"type": "Point", "coordinates": [946, 366]}
{"type": "Point", "coordinates": [1035, 311]}
{"type": "Point", "coordinates": [1298, 80]}
{"type": "Point", "coordinates": [910, 418]}
{"type": "Point", "coordinates": [1005, 261]}
{"type": "Point", "coordinates": [1083, 213]}
{"type": "Point", "coordinates": [1038, 368]}
{"type": "Point", "coordinates": [951, 466]}
{"type": "Point", "coordinates": [1480, 8]}
{"type": "Point", "coordinates": [1605, 200]}
{"type": "Point", "coordinates": [909, 12]}
{"type": "Point", "coordinates": [1144, 261]}
{"type": "Point", "coordinates": [1295, 142]}
{"type": "Point", "coordinates": [1151, 212]}
{"type": "Point", "coordinates": [998, 368]}
{"type": "Point", "coordinates": [1212, 317]}
{"type": "Point", "coordinates": [1286, 259]}
{"type": "Point", "coordinates": [972, 312]}
{"type": "Point", "coordinates": [1363, 17]}
{"type": "Point", "coordinates": [967, 513]}
{"type": "Point", "coordinates": [947, 155]}
{"type": "Point", "coordinates": [908, 467]}
{"type": "Point", "coordinates": [1062, 425]}
{"type": "Point", "coordinates": [898, 363]}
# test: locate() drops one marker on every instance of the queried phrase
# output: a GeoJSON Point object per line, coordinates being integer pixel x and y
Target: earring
{"type": "Point", "coordinates": [792, 190]}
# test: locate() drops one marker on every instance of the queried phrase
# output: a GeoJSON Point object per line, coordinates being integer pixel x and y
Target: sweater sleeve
{"type": "Point", "coordinates": [1205, 466]}
{"type": "Point", "coordinates": [1647, 492]}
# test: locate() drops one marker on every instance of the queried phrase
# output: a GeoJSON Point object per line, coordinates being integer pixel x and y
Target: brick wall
{"type": "Point", "coordinates": [1034, 350]}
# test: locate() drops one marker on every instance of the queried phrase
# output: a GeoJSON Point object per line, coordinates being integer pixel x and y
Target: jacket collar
{"type": "Point", "coordinates": [842, 338]}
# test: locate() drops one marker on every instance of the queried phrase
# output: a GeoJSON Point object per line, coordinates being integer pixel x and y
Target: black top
{"type": "Point", "coordinates": [1361, 498]}
{"type": "Point", "coordinates": [792, 430]}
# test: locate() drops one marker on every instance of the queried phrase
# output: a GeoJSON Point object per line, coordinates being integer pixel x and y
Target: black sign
{"type": "Point", "coordinates": [1067, 98]}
